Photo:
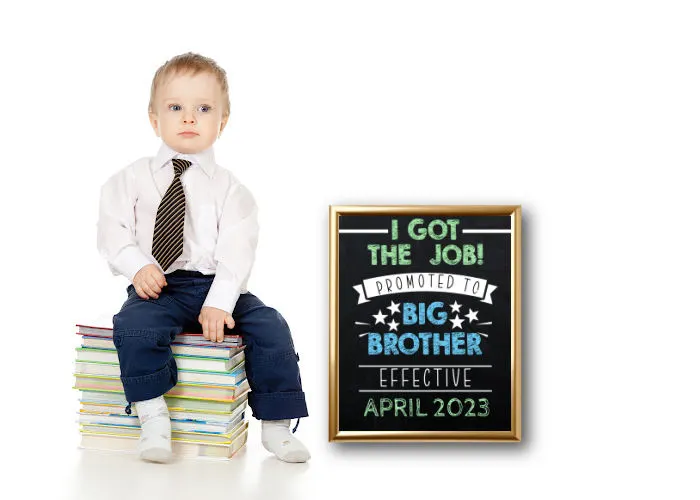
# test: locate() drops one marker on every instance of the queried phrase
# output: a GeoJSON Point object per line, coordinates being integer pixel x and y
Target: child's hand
{"type": "Point", "coordinates": [149, 281]}
{"type": "Point", "coordinates": [212, 320]}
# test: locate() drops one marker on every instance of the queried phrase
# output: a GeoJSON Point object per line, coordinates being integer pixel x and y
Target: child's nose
{"type": "Point", "coordinates": [189, 117]}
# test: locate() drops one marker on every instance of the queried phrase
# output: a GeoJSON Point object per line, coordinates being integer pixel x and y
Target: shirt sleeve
{"type": "Point", "coordinates": [116, 225]}
{"type": "Point", "coordinates": [235, 248]}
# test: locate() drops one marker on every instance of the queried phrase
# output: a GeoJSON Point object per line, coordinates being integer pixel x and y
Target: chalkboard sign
{"type": "Point", "coordinates": [424, 323]}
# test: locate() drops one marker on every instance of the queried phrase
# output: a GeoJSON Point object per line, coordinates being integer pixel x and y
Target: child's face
{"type": "Point", "coordinates": [188, 112]}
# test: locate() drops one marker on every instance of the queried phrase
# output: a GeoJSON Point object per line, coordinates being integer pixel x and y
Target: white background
{"type": "Point", "coordinates": [585, 113]}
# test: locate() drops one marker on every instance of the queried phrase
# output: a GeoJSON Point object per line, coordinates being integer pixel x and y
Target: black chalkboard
{"type": "Point", "coordinates": [425, 323]}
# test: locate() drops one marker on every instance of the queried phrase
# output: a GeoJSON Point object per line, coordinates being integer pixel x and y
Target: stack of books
{"type": "Point", "coordinates": [207, 406]}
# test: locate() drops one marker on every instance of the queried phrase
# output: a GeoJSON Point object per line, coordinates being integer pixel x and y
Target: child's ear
{"type": "Point", "coordinates": [224, 121]}
{"type": "Point", "coordinates": [154, 122]}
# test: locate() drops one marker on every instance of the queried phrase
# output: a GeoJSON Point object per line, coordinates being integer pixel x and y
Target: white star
{"type": "Point", "coordinates": [455, 307]}
{"type": "Point", "coordinates": [457, 321]}
{"type": "Point", "coordinates": [393, 325]}
{"type": "Point", "coordinates": [472, 315]}
{"type": "Point", "coordinates": [394, 308]}
{"type": "Point", "coordinates": [379, 317]}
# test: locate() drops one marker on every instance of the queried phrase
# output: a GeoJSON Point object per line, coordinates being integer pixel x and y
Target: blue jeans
{"type": "Point", "coordinates": [144, 329]}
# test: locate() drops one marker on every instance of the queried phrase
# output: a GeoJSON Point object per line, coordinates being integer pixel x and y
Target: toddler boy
{"type": "Point", "coordinates": [184, 231]}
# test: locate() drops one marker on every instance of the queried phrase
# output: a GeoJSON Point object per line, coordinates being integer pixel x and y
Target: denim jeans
{"type": "Point", "coordinates": [144, 329]}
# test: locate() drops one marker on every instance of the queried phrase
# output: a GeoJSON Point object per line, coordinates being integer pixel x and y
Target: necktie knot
{"type": "Point", "coordinates": [180, 165]}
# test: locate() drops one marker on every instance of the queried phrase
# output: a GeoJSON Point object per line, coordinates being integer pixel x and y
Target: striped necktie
{"type": "Point", "coordinates": [170, 220]}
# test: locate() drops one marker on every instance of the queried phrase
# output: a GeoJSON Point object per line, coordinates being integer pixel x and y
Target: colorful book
{"type": "Point", "coordinates": [201, 424]}
{"type": "Point", "coordinates": [182, 389]}
{"type": "Point", "coordinates": [207, 351]}
{"type": "Point", "coordinates": [135, 431]}
{"type": "Point", "coordinates": [183, 361]}
{"type": "Point", "coordinates": [173, 402]}
{"type": "Point", "coordinates": [232, 377]}
{"type": "Point", "coordinates": [210, 416]}
{"type": "Point", "coordinates": [182, 447]}
{"type": "Point", "coordinates": [183, 338]}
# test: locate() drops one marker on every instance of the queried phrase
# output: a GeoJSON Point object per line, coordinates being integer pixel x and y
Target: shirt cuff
{"type": "Point", "coordinates": [129, 261]}
{"type": "Point", "coordinates": [223, 294]}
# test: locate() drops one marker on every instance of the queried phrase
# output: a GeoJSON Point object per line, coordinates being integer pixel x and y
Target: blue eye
{"type": "Point", "coordinates": [204, 108]}
{"type": "Point", "coordinates": [174, 106]}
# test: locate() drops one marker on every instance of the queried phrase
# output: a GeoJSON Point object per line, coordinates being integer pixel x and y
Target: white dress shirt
{"type": "Point", "coordinates": [221, 227]}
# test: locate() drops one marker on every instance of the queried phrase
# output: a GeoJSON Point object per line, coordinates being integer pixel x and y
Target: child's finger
{"type": "Point", "coordinates": [230, 322]}
{"type": "Point", "coordinates": [153, 284]}
{"type": "Point", "coordinates": [162, 281]}
{"type": "Point", "coordinates": [219, 330]}
{"type": "Point", "coordinates": [140, 292]}
{"type": "Point", "coordinates": [205, 332]}
{"type": "Point", "coordinates": [149, 292]}
{"type": "Point", "coordinates": [205, 329]}
{"type": "Point", "coordinates": [212, 330]}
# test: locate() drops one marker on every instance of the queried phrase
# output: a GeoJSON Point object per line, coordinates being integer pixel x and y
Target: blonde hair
{"type": "Point", "coordinates": [193, 64]}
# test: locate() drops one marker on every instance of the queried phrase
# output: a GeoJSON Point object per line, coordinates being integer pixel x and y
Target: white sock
{"type": "Point", "coordinates": [277, 439]}
{"type": "Point", "coordinates": [154, 444]}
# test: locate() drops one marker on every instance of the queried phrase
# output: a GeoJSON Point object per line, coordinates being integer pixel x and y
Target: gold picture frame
{"type": "Point", "coordinates": [425, 212]}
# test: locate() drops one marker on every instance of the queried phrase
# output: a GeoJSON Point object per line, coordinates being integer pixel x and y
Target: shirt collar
{"type": "Point", "coordinates": [204, 159]}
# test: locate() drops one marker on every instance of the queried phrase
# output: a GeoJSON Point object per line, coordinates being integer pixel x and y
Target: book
{"type": "Point", "coordinates": [201, 422]}
{"type": "Point", "coordinates": [232, 377]}
{"type": "Point", "coordinates": [184, 337]}
{"type": "Point", "coordinates": [183, 361]}
{"type": "Point", "coordinates": [173, 402]}
{"type": "Point", "coordinates": [207, 351]}
{"type": "Point", "coordinates": [208, 391]}
{"type": "Point", "coordinates": [198, 338]}
{"type": "Point", "coordinates": [135, 431]}
{"type": "Point", "coordinates": [182, 448]}
{"type": "Point", "coordinates": [211, 416]}
{"type": "Point", "coordinates": [181, 389]}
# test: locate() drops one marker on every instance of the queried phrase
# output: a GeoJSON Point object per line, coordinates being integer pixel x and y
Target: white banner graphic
{"type": "Point", "coordinates": [424, 282]}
